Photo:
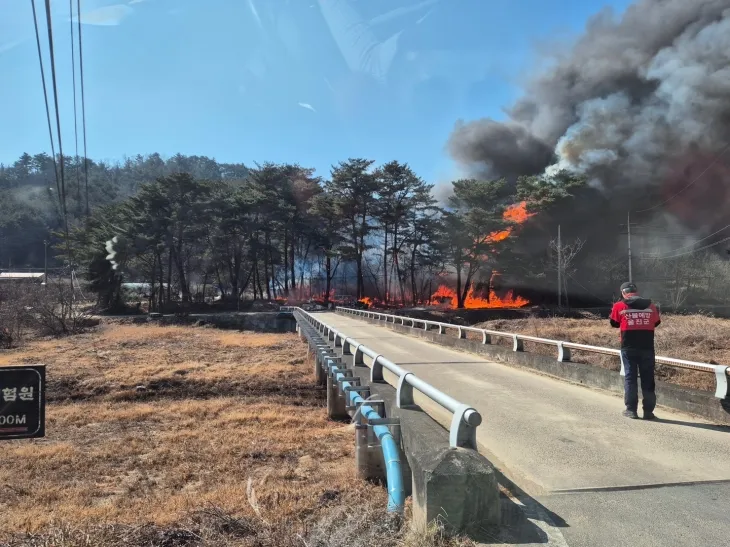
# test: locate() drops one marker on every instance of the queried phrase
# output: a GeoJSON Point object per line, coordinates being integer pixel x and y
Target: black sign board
{"type": "Point", "coordinates": [22, 402]}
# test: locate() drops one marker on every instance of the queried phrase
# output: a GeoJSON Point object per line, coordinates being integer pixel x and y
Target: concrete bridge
{"type": "Point", "coordinates": [513, 455]}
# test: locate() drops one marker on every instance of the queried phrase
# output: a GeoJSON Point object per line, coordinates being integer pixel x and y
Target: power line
{"type": "Point", "coordinates": [83, 105]}
{"type": "Point", "coordinates": [73, 83]}
{"type": "Point", "coordinates": [589, 292]}
{"type": "Point", "coordinates": [697, 242]}
{"type": "Point", "coordinates": [717, 158]}
{"type": "Point", "coordinates": [45, 99]}
{"type": "Point", "coordinates": [692, 251]}
{"type": "Point", "coordinates": [49, 22]}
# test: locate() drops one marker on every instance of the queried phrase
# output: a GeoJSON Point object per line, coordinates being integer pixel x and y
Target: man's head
{"type": "Point", "coordinates": [628, 289]}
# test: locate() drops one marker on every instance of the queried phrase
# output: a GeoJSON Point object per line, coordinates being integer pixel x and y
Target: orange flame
{"type": "Point", "coordinates": [473, 302]}
{"type": "Point", "coordinates": [366, 300]}
{"type": "Point", "coordinates": [517, 214]}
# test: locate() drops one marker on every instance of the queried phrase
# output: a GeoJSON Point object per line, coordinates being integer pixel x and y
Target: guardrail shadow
{"type": "Point", "coordinates": [524, 519]}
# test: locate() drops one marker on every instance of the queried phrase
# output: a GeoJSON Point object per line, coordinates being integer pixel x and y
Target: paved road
{"type": "Point", "coordinates": [606, 480]}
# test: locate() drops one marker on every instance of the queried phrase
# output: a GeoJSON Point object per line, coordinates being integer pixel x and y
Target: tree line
{"type": "Point", "coordinates": [263, 234]}
{"type": "Point", "coordinates": [189, 226]}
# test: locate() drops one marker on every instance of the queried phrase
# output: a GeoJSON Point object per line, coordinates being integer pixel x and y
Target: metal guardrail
{"type": "Point", "coordinates": [366, 409]}
{"type": "Point", "coordinates": [465, 420]}
{"type": "Point", "coordinates": [721, 372]}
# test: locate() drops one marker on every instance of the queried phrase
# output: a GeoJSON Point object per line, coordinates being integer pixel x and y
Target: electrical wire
{"type": "Point", "coordinates": [692, 251]}
{"type": "Point", "coordinates": [717, 158]}
{"type": "Point", "coordinates": [49, 22]}
{"type": "Point", "coordinates": [83, 104]}
{"type": "Point", "coordinates": [680, 249]}
{"type": "Point", "coordinates": [586, 290]}
{"type": "Point", "coordinates": [45, 99]}
{"type": "Point", "coordinates": [73, 83]}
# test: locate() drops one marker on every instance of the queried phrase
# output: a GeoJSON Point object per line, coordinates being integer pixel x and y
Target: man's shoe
{"type": "Point", "coordinates": [649, 416]}
{"type": "Point", "coordinates": [631, 414]}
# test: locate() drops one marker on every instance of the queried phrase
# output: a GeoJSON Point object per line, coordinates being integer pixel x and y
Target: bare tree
{"type": "Point", "coordinates": [56, 311]}
{"type": "Point", "coordinates": [15, 313]}
{"type": "Point", "coordinates": [562, 258]}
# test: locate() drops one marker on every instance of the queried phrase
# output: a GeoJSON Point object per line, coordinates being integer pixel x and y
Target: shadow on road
{"type": "Point", "coordinates": [525, 521]}
{"type": "Point", "coordinates": [698, 425]}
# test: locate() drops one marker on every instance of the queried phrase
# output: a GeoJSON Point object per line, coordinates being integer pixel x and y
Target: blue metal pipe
{"type": "Point", "coordinates": [391, 454]}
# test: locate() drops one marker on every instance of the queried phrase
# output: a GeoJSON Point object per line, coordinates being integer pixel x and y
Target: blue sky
{"type": "Point", "coordinates": [308, 81]}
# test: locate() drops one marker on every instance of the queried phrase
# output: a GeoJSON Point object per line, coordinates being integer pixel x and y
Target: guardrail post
{"type": "Point", "coordinates": [357, 359]}
{"type": "Point", "coordinates": [441, 329]}
{"type": "Point", "coordinates": [563, 353]}
{"type": "Point", "coordinates": [461, 334]}
{"type": "Point", "coordinates": [721, 373]}
{"type": "Point", "coordinates": [404, 393]}
{"type": "Point", "coordinates": [517, 344]}
{"type": "Point", "coordinates": [338, 340]}
{"type": "Point", "coordinates": [346, 347]}
{"type": "Point", "coordinates": [376, 373]}
{"type": "Point", "coordinates": [486, 338]}
{"type": "Point", "coordinates": [462, 433]}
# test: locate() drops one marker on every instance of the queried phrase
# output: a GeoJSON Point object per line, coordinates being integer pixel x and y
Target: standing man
{"type": "Point", "coordinates": [637, 318]}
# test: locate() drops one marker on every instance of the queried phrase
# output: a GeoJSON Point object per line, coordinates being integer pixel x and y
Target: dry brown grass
{"type": "Point", "coordinates": [692, 337]}
{"type": "Point", "coordinates": [182, 436]}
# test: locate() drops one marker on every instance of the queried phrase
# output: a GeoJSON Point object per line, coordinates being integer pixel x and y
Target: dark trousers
{"type": "Point", "coordinates": [639, 363]}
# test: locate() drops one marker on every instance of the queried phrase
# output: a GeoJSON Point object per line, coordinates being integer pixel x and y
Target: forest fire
{"type": "Point", "coordinates": [517, 214]}
{"type": "Point", "coordinates": [448, 296]}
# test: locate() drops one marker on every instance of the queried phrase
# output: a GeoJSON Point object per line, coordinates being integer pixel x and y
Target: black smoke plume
{"type": "Point", "coordinates": [640, 105]}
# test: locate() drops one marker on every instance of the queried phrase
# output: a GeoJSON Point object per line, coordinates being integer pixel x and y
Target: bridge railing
{"type": "Point", "coordinates": [564, 348]}
{"type": "Point", "coordinates": [465, 419]}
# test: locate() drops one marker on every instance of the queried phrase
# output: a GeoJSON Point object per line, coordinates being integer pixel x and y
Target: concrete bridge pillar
{"type": "Point", "coordinates": [457, 487]}
{"type": "Point", "coordinates": [321, 351]}
{"type": "Point", "coordinates": [368, 455]}
{"type": "Point", "coordinates": [336, 404]}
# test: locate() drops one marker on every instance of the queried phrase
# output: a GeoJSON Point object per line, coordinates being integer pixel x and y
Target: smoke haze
{"type": "Point", "coordinates": [640, 105]}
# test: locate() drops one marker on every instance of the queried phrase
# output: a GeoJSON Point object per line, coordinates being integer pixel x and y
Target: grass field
{"type": "Point", "coordinates": [184, 436]}
{"type": "Point", "coordinates": [692, 337]}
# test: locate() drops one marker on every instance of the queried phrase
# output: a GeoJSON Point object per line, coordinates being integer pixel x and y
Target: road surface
{"type": "Point", "coordinates": [592, 477]}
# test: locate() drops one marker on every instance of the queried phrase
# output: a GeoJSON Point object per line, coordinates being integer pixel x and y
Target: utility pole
{"type": "Point", "coordinates": [628, 226]}
{"type": "Point", "coordinates": [560, 271]}
{"type": "Point", "coordinates": [628, 234]}
{"type": "Point", "coordinates": [45, 263]}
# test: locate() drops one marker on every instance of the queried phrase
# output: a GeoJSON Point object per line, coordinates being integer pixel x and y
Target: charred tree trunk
{"type": "Point", "coordinates": [328, 276]}
{"type": "Point", "coordinates": [286, 262]}
{"type": "Point", "coordinates": [293, 273]}
{"type": "Point", "coordinates": [169, 274]}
